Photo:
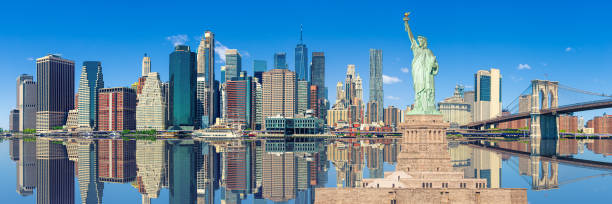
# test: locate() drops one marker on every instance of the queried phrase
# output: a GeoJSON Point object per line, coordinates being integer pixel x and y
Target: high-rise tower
{"type": "Point", "coordinates": [233, 64]}
{"type": "Point", "coordinates": [487, 101]}
{"type": "Point", "coordinates": [146, 65]}
{"type": "Point", "coordinates": [301, 60]}
{"type": "Point", "coordinates": [183, 87]}
{"type": "Point", "coordinates": [280, 60]}
{"type": "Point", "coordinates": [206, 80]}
{"type": "Point", "coordinates": [55, 91]}
{"type": "Point", "coordinates": [376, 81]}
{"type": "Point", "coordinates": [90, 83]}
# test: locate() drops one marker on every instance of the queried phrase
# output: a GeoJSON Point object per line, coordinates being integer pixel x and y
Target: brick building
{"type": "Point", "coordinates": [116, 109]}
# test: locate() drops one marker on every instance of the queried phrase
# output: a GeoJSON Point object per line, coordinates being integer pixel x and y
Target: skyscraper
{"type": "Point", "coordinates": [317, 73]}
{"type": "Point", "coordinates": [313, 102]}
{"type": "Point", "coordinates": [259, 106]}
{"type": "Point", "coordinates": [19, 100]}
{"type": "Point", "coordinates": [183, 87]}
{"type": "Point", "coordinates": [488, 103]}
{"type": "Point", "coordinates": [27, 104]}
{"type": "Point", "coordinates": [279, 93]}
{"type": "Point", "coordinates": [146, 65]}
{"type": "Point", "coordinates": [259, 67]}
{"type": "Point", "coordinates": [90, 83]}
{"type": "Point", "coordinates": [206, 65]}
{"type": "Point", "coordinates": [301, 60]}
{"type": "Point", "coordinates": [241, 104]}
{"type": "Point", "coordinates": [233, 64]}
{"type": "Point", "coordinates": [55, 91]}
{"type": "Point", "coordinates": [151, 107]}
{"type": "Point", "coordinates": [280, 60]}
{"type": "Point", "coordinates": [302, 96]}
{"type": "Point", "coordinates": [116, 109]}
{"type": "Point", "coordinates": [376, 81]}
{"type": "Point", "coordinates": [372, 112]}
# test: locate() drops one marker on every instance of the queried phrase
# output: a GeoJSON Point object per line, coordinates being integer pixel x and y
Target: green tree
{"type": "Point", "coordinates": [29, 131]}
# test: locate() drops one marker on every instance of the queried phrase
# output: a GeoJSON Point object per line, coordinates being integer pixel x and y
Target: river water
{"type": "Point", "coordinates": [268, 171]}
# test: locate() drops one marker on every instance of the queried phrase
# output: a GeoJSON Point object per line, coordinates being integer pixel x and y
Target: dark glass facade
{"type": "Point", "coordinates": [183, 87]}
{"type": "Point", "coordinates": [301, 62]}
{"type": "Point", "coordinates": [280, 60]}
{"type": "Point", "coordinates": [317, 73]}
{"type": "Point", "coordinates": [259, 67]}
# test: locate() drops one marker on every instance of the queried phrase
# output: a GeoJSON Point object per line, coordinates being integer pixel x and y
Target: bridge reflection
{"type": "Point", "coordinates": [539, 159]}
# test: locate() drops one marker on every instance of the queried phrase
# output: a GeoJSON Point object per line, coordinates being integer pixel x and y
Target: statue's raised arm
{"type": "Point", "coordinates": [407, 27]}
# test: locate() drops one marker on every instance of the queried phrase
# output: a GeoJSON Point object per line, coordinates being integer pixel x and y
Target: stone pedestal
{"type": "Point", "coordinates": [424, 147]}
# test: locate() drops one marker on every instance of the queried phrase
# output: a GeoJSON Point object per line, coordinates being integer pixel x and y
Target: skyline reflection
{"type": "Point", "coordinates": [251, 171]}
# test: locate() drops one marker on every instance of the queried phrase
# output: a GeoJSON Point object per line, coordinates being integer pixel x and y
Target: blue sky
{"type": "Point", "coordinates": [567, 41]}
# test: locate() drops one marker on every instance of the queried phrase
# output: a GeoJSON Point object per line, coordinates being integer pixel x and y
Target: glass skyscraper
{"type": "Point", "coordinates": [259, 67]}
{"type": "Point", "coordinates": [233, 64]}
{"type": "Point", "coordinates": [301, 60]}
{"type": "Point", "coordinates": [55, 91]}
{"type": "Point", "coordinates": [91, 81]}
{"type": "Point", "coordinates": [317, 73]}
{"type": "Point", "coordinates": [376, 81]}
{"type": "Point", "coordinates": [183, 87]}
{"type": "Point", "coordinates": [280, 60]}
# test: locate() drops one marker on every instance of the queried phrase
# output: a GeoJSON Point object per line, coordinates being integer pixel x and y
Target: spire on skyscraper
{"type": "Point", "coordinates": [301, 29]}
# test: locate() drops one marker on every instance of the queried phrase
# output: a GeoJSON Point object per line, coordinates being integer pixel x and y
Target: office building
{"type": "Point", "coordinates": [455, 110]}
{"type": "Point", "coordinates": [302, 96]}
{"type": "Point", "coordinates": [146, 65]}
{"type": "Point", "coordinates": [291, 126]}
{"type": "Point", "coordinates": [183, 88]}
{"type": "Point", "coordinates": [279, 93]}
{"type": "Point", "coordinates": [301, 60]}
{"type": "Point", "coordinates": [55, 91]}
{"type": "Point", "coordinates": [165, 87]}
{"type": "Point", "coordinates": [241, 104]}
{"type": "Point", "coordinates": [259, 106]}
{"type": "Point", "coordinates": [280, 60]}
{"type": "Point", "coordinates": [376, 81]}
{"type": "Point", "coordinates": [223, 71]}
{"type": "Point", "coordinates": [207, 110]}
{"type": "Point", "coordinates": [72, 123]}
{"type": "Point", "coordinates": [90, 83]}
{"type": "Point", "coordinates": [233, 64]}
{"type": "Point", "coordinates": [151, 107]}
{"type": "Point", "coordinates": [372, 115]}
{"type": "Point", "coordinates": [487, 102]}
{"type": "Point", "coordinates": [206, 68]}
{"type": "Point", "coordinates": [54, 172]}
{"type": "Point", "coordinates": [27, 105]}
{"type": "Point", "coordinates": [14, 120]}
{"type": "Point", "coordinates": [337, 117]}
{"type": "Point", "coordinates": [392, 116]}
{"type": "Point", "coordinates": [116, 109]}
{"type": "Point", "coordinates": [313, 102]}
{"type": "Point", "coordinates": [317, 73]}
{"type": "Point", "coordinates": [259, 67]}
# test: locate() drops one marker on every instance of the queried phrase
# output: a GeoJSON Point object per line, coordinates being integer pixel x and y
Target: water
{"type": "Point", "coordinates": [264, 171]}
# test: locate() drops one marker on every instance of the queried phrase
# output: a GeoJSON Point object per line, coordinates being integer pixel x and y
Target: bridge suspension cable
{"type": "Point", "coordinates": [583, 91]}
{"type": "Point", "coordinates": [514, 104]}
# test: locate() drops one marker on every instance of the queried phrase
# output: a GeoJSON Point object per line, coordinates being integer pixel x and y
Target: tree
{"type": "Point", "coordinates": [29, 131]}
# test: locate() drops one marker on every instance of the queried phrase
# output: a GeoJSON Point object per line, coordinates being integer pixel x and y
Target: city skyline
{"type": "Point", "coordinates": [511, 43]}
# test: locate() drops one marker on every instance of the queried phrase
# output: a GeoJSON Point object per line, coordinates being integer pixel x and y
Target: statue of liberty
{"type": "Point", "coordinates": [424, 68]}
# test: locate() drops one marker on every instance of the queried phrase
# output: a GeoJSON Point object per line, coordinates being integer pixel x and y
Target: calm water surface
{"type": "Point", "coordinates": [267, 171]}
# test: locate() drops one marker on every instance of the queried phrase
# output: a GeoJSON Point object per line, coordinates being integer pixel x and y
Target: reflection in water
{"type": "Point", "coordinates": [278, 170]}
{"type": "Point", "coordinates": [55, 172]}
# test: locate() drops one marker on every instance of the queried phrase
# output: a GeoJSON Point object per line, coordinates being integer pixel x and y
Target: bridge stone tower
{"type": "Point", "coordinates": [544, 126]}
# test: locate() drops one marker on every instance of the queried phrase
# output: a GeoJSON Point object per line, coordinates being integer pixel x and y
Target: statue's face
{"type": "Point", "coordinates": [422, 41]}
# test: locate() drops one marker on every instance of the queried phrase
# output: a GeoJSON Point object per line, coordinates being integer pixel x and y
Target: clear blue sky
{"type": "Point", "coordinates": [567, 41]}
